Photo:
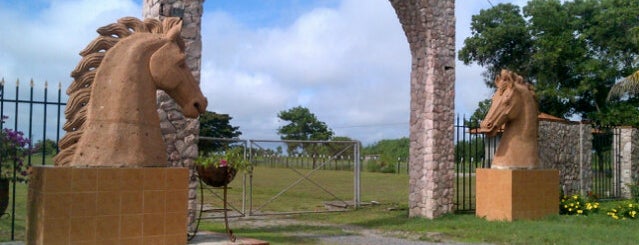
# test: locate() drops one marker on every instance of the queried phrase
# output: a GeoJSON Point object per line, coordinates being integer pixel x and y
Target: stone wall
{"type": "Point", "coordinates": [180, 133]}
{"type": "Point", "coordinates": [566, 146]}
{"type": "Point", "coordinates": [429, 26]}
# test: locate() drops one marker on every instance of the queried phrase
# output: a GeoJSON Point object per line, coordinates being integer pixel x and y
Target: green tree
{"type": "Point", "coordinates": [499, 40]}
{"type": "Point", "coordinates": [216, 126]}
{"type": "Point", "coordinates": [389, 149]}
{"type": "Point", "coordinates": [470, 150]}
{"type": "Point", "coordinates": [302, 125]}
{"type": "Point", "coordinates": [50, 146]}
{"type": "Point", "coordinates": [572, 51]}
{"type": "Point", "coordinates": [480, 113]}
{"type": "Point", "coordinates": [622, 109]}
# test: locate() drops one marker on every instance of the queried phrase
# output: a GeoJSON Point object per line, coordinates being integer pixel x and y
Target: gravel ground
{"type": "Point", "coordinates": [355, 235]}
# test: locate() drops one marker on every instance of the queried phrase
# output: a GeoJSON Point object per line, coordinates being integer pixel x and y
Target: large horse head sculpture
{"type": "Point", "coordinates": [514, 106]}
{"type": "Point", "coordinates": [112, 117]}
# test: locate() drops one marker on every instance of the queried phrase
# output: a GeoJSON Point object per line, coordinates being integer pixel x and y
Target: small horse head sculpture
{"type": "Point", "coordinates": [514, 106]}
{"type": "Point", "coordinates": [112, 117]}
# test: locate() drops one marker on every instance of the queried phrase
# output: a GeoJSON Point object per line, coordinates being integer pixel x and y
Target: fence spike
{"type": "Point", "coordinates": [31, 83]}
{"type": "Point", "coordinates": [46, 84]}
{"type": "Point", "coordinates": [2, 82]}
{"type": "Point", "coordinates": [59, 85]}
{"type": "Point", "coordinates": [18, 82]}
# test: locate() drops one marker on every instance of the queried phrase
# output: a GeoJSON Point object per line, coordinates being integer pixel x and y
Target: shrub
{"type": "Point", "coordinates": [575, 205]}
{"type": "Point", "coordinates": [379, 166]}
{"type": "Point", "coordinates": [634, 192]}
{"type": "Point", "coordinates": [627, 209]}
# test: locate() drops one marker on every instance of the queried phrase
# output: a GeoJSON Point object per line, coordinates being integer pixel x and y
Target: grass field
{"type": "Point", "coordinates": [305, 196]}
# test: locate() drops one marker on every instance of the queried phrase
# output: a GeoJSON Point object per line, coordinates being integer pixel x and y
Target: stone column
{"type": "Point", "coordinates": [628, 142]}
{"type": "Point", "coordinates": [430, 29]}
{"type": "Point", "coordinates": [585, 158]}
{"type": "Point", "coordinates": [180, 134]}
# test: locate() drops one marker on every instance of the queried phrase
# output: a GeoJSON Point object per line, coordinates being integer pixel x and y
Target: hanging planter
{"type": "Point", "coordinates": [219, 169]}
{"type": "Point", "coordinates": [216, 176]}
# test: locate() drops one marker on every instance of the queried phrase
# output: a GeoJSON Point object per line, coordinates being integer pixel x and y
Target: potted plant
{"type": "Point", "coordinates": [219, 168]}
{"type": "Point", "coordinates": [13, 147]}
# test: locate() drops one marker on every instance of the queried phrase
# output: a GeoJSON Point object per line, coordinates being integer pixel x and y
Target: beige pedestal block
{"type": "Point", "coordinates": [107, 205]}
{"type": "Point", "coordinates": [516, 194]}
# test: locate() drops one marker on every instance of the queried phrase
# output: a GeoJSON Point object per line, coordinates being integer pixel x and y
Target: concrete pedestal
{"type": "Point", "coordinates": [516, 194]}
{"type": "Point", "coordinates": [107, 205]}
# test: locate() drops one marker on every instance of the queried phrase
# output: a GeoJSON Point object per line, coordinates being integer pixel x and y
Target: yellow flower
{"type": "Point", "coordinates": [565, 206]}
{"type": "Point", "coordinates": [579, 211]}
{"type": "Point", "coordinates": [630, 205]}
{"type": "Point", "coordinates": [575, 197]}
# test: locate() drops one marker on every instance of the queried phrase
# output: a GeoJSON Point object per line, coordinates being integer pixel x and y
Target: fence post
{"type": "Point", "coordinates": [627, 139]}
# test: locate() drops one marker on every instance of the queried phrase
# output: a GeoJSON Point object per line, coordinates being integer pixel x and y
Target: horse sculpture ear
{"type": "Point", "coordinates": [175, 31]}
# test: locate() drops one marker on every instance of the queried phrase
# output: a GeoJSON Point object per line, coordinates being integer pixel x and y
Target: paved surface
{"type": "Point", "coordinates": [213, 238]}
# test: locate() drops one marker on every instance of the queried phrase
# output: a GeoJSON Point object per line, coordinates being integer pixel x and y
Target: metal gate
{"type": "Point", "coordinates": [606, 163]}
{"type": "Point", "coordinates": [326, 171]}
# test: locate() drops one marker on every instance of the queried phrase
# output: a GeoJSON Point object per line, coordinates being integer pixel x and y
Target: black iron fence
{"type": "Point", "coordinates": [475, 150]}
{"type": "Point", "coordinates": [35, 111]}
{"type": "Point", "coordinates": [606, 163]}
{"type": "Point", "coordinates": [472, 150]}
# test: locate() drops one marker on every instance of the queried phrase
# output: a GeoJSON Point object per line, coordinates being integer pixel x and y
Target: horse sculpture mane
{"type": "Point", "coordinates": [514, 106]}
{"type": "Point", "coordinates": [105, 103]}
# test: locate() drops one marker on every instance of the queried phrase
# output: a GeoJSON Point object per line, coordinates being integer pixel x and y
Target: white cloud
{"type": "Point", "coordinates": [349, 65]}
{"type": "Point", "coordinates": [44, 45]}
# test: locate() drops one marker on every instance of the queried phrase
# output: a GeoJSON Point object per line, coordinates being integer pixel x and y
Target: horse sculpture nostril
{"type": "Point", "coordinates": [199, 106]}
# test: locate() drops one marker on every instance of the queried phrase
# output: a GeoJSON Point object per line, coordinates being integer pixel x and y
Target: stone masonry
{"type": "Point", "coordinates": [429, 26]}
{"type": "Point", "coordinates": [180, 134]}
{"type": "Point", "coordinates": [566, 146]}
{"type": "Point", "coordinates": [628, 141]}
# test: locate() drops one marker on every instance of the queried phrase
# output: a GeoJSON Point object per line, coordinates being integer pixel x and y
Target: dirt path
{"type": "Point", "coordinates": [352, 235]}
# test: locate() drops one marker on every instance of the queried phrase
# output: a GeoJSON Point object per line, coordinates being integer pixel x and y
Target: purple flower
{"type": "Point", "coordinates": [13, 148]}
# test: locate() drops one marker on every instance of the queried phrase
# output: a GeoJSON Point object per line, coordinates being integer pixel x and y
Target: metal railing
{"type": "Point", "coordinates": [29, 111]}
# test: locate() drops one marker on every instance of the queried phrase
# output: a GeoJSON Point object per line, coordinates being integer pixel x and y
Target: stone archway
{"type": "Point", "coordinates": [430, 29]}
{"type": "Point", "coordinates": [429, 26]}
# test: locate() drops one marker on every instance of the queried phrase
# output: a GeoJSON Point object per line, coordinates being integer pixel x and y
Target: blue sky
{"type": "Point", "coordinates": [346, 60]}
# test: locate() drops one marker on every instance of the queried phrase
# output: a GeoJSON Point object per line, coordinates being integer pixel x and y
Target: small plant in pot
{"type": "Point", "coordinates": [219, 168]}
